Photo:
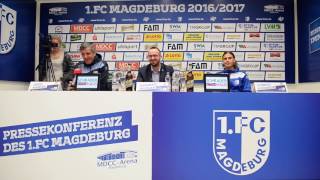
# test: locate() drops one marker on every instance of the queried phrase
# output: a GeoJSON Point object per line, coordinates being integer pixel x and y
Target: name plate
{"type": "Point", "coordinates": [153, 86]}
{"type": "Point", "coordinates": [270, 87]}
{"type": "Point", "coordinates": [44, 86]}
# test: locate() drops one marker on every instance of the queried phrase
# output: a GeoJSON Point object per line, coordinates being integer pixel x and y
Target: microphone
{"type": "Point", "coordinates": [76, 72]}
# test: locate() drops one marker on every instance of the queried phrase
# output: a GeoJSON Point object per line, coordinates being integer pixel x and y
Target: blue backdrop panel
{"type": "Point", "coordinates": [309, 41]}
{"type": "Point", "coordinates": [18, 64]}
{"type": "Point", "coordinates": [183, 141]}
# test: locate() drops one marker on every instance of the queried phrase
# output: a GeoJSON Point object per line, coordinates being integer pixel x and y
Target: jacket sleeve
{"type": "Point", "coordinates": [246, 84]}
{"type": "Point", "coordinates": [105, 84]}
{"type": "Point", "coordinates": [67, 67]}
{"type": "Point", "coordinates": [139, 77]}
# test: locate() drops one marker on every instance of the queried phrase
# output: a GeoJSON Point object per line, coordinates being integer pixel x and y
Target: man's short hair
{"type": "Point", "coordinates": [86, 45]}
{"type": "Point", "coordinates": [155, 47]}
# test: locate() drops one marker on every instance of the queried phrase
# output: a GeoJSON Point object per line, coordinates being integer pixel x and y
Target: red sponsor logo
{"type": "Point", "coordinates": [75, 56]}
{"type": "Point", "coordinates": [134, 66]}
{"type": "Point", "coordinates": [254, 35]}
{"type": "Point", "coordinates": [82, 28]}
{"type": "Point", "coordinates": [275, 54]}
{"type": "Point", "coordinates": [103, 47]}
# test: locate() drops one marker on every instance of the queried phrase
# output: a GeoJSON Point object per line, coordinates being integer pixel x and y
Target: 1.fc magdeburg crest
{"type": "Point", "coordinates": [8, 21]}
{"type": "Point", "coordinates": [241, 140]}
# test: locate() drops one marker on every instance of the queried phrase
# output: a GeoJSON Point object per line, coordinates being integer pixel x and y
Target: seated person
{"type": "Point", "coordinates": [155, 71]}
{"type": "Point", "coordinates": [239, 81]}
{"type": "Point", "coordinates": [93, 63]}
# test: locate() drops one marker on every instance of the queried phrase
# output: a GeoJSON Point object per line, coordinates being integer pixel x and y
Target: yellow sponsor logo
{"type": "Point", "coordinates": [173, 56]}
{"type": "Point", "coordinates": [153, 37]}
{"type": "Point", "coordinates": [193, 37]}
{"type": "Point", "coordinates": [233, 36]}
{"type": "Point", "coordinates": [197, 75]}
{"type": "Point", "coordinates": [254, 56]}
{"type": "Point", "coordinates": [213, 56]}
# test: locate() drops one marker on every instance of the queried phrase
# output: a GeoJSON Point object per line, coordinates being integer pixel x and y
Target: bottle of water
{"type": "Point", "coordinates": [183, 87]}
{"type": "Point", "coordinates": [190, 82]}
{"type": "Point", "coordinates": [176, 81]}
{"type": "Point", "coordinates": [115, 82]}
{"type": "Point", "coordinates": [167, 79]}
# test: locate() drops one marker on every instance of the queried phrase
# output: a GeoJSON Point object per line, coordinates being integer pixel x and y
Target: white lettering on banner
{"type": "Point", "coordinates": [199, 27]}
{"type": "Point", "coordinates": [175, 27]}
{"type": "Point", "coordinates": [213, 37]}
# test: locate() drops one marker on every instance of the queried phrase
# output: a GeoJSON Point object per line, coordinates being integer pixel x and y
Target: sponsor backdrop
{"type": "Point", "coordinates": [309, 40]}
{"type": "Point", "coordinates": [54, 139]}
{"type": "Point", "coordinates": [263, 138]}
{"type": "Point", "coordinates": [192, 35]}
{"type": "Point", "coordinates": [17, 31]}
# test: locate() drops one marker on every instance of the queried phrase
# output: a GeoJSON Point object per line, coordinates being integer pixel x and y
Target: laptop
{"type": "Point", "coordinates": [87, 82]}
{"type": "Point", "coordinates": [216, 83]}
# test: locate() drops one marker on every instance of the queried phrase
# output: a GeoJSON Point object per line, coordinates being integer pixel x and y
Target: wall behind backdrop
{"type": "Point", "coordinates": [17, 40]}
{"type": "Point", "coordinates": [309, 40]}
{"type": "Point", "coordinates": [192, 35]}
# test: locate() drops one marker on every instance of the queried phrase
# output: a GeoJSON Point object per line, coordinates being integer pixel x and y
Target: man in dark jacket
{"type": "Point", "coordinates": [155, 71]}
{"type": "Point", "coordinates": [93, 63]}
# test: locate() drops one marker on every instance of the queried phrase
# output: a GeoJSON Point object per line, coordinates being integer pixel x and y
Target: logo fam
{"type": "Point", "coordinates": [8, 20]}
{"type": "Point", "coordinates": [241, 140]}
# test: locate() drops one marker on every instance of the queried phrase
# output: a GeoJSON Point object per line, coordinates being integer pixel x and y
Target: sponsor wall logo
{"type": "Point", "coordinates": [193, 37]}
{"type": "Point", "coordinates": [239, 56]}
{"type": "Point", "coordinates": [224, 46]}
{"type": "Point", "coordinates": [199, 27]}
{"type": "Point", "coordinates": [153, 37]}
{"type": "Point", "coordinates": [213, 36]}
{"type": "Point", "coordinates": [75, 56]}
{"type": "Point", "coordinates": [128, 28]}
{"type": "Point", "coordinates": [105, 47]}
{"type": "Point", "coordinates": [213, 56]}
{"type": "Point", "coordinates": [75, 47]}
{"type": "Point", "coordinates": [275, 76]}
{"type": "Point", "coordinates": [178, 66]}
{"type": "Point", "coordinates": [234, 37]}
{"type": "Point", "coordinates": [8, 26]}
{"type": "Point", "coordinates": [134, 66]}
{"type": "Point", "coordinates": [95, 38]}
{"type": "Point", "coordinates": [223, 27]}
{"type": "Point", "coordinates": [272, 47]}
{"type": "Point", "coordinates": [275, 37]}
{"type": "Point", "coordinates": [133, 56]}
{"type": "Point", "coordinates": [175, 46]}
{"type": "Point", "coordinates": [199, 66]}
{"type": "Point", "coordinates": [193, 56]}
{"type": "Point", "coordinates": [274, 8]}
{"type": "Point", "coordinates": [133, 37]}
{"type": "Point", "coordinates": [314, 36]}
{"type": "Point", "coordinates": [147, 46]}
{"type": "Point", "coordinates": [63, 37]}
{"type": "Point", "coordinates": [241, 140]}
{"type": "Point", "coordinates": [275, 56]}
{"type": "Point", "coordinates": [249, 66]}
{"type": "Point", "coordinates": [217, 66]}
{"type": "Point", "coordinates": [198, 75]}
{"type": "Point", "coordinates": [248, 27]}
{"type": "Point", "coordinates": [175, 27]}
{"type": "Point", "coordinates": [81, 28]}
{"type": "Point", "coordinates": [104, 28]}
{"type": "Point", "coordinates": [173, 56]}
{"type": "Point", "coordinates": [127, 46]}
{"type": "Point", "coordinates": [115, 37]}
{"type": "Point", "coordinates": [151, 27]}
{"type": "Point", "coordinates": [52, 29]}
{"type": "Point", "coordinates": [256, 75]}
{"type": "Point", "coordinates": [199, 46]}
{"type": "Point", "coordinates": [272, 27]}
{"type": "Point", "coordinates": [254, 56]}
{"type": "Point", "coordinates": [173, 37]}
{"type": "Point", "coordinates": [117, 159]}
{"type": "Point", "coordinates": [254, 37]}
{"type": "Point", "coordinates": [273, 66]}
{"type": "Point", "coordinates": [76, 37]}
{"type": "Point", "coordinates": [248, 46]}
{"type": "Point", "coordinates": [58, 11]}
{"type": "Point", "coordinates": [113, 56]}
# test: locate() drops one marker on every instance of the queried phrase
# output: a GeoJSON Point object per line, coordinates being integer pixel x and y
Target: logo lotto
{"type": "Point", "coordinates": [8, 20]}
{"type": "Point", "coordinates": [241, 140]}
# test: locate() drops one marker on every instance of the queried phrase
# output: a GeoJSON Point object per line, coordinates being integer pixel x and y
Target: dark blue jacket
{"type": "Point", "coordinates": [239, 81]}
{"type": "Point", "coordinates": [145, 73]}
